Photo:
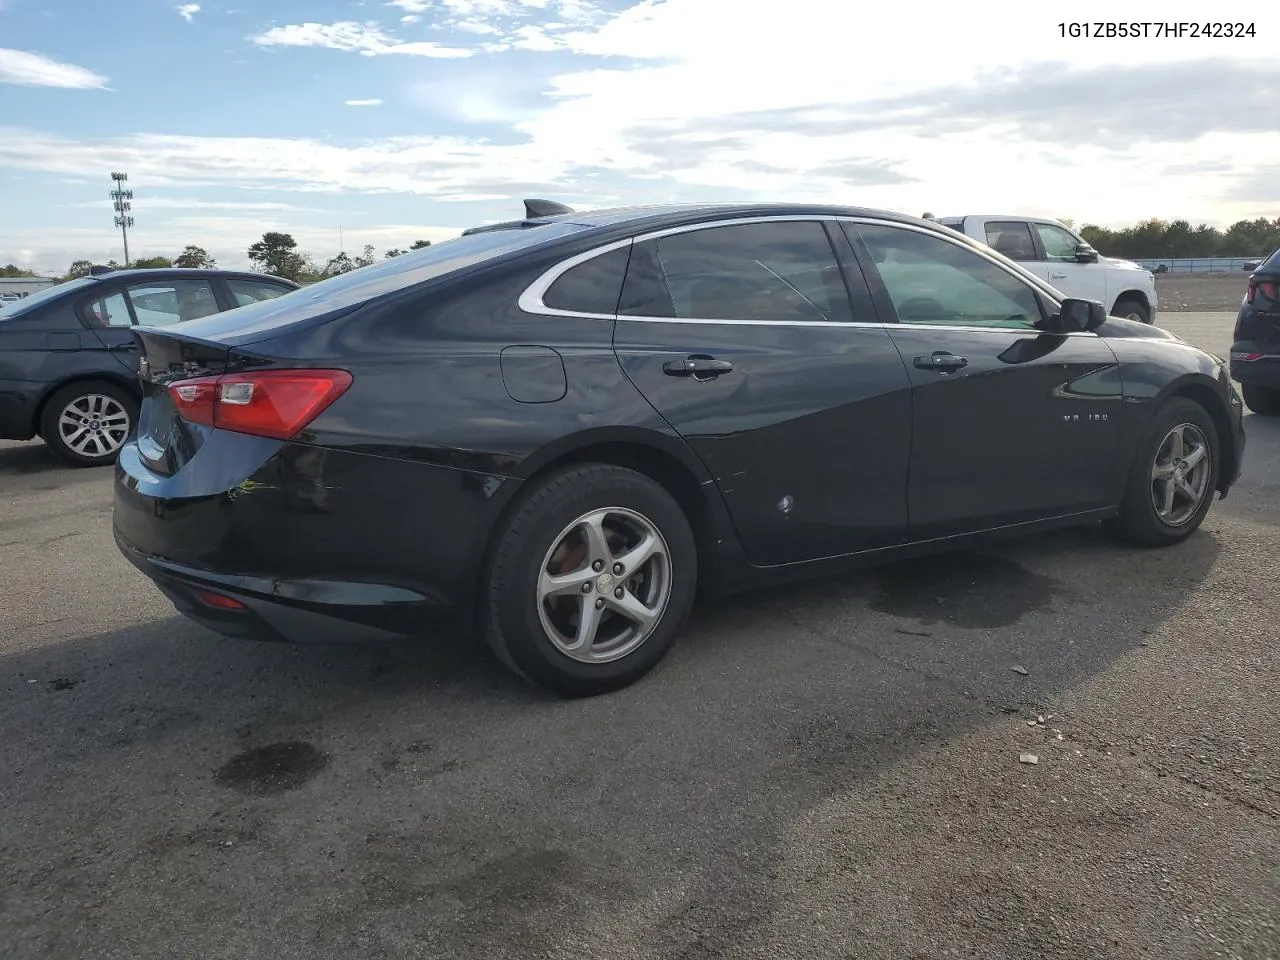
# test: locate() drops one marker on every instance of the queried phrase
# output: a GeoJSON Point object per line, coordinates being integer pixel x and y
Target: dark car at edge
{"type": "Point", "coordinates": [68, 357]}
{"type": "Point", "coordinates": [555, 431]}
{"type": "Point", "coordinates": [1255, 350]}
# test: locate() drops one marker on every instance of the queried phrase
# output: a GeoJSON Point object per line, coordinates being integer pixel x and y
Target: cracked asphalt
{"type": "Point", "coordinates": [829, 770]}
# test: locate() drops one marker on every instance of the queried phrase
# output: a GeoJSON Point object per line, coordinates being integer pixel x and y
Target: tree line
{"type": "Point", "coordinates": [1167, 239]}
{"type": "Point", "coordinates": [275, 253]}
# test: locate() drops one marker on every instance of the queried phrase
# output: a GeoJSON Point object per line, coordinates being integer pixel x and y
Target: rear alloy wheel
{"type": "Point", "coordinates": [1262, 400]}
{"type": "Point", "coordinates": [590, 581]}
{"type": "Point", "coordinates": [86, 424]}
{"type": "Point", "coordinates": [1130, 309]}
{"type": "Point", "coordinates": [1173, 477]}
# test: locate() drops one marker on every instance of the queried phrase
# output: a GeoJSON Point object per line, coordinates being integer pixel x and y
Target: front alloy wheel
{"type": "Point", "coordinates": [1172, 477]}
{"type": "Point", "coordinates": [1180, 474]}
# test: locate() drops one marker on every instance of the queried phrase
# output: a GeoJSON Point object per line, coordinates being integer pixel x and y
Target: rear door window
{"type": "Point", "coordinates": [111, 310]}
{"type": "Point", "coordinates": [771, 272]}
{"type": "Point", "coordinates": [1012, 238]}
{"type": "Point", "coordinates": [165, 302]}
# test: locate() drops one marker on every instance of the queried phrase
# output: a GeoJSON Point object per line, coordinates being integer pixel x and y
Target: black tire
{"type": "Point", "coordinates": [1139, 522]}
{"type": "Point", "coordinates": [1131, 309]}
{"type": "Point", "coordinates": [513, 613]}
{"type": "Point", "coordinates": [107, 439]}
{"type": "Point", "coordinates": [1262, 400]}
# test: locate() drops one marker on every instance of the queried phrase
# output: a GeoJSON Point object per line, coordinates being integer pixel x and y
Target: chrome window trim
{"type": "Point", "coordinates": [530, 301]}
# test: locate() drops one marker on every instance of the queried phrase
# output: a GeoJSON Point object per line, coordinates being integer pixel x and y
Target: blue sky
{"type": "Point", "coordinates": [416, 118]}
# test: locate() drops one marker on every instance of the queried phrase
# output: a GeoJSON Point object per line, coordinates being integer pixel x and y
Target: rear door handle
{"type": "Point", "coordinates": [696, 367]}
{"type": "Point", "coordinates": [1057, 276]}
{"type": "Point", "coordinates": [940, 360]}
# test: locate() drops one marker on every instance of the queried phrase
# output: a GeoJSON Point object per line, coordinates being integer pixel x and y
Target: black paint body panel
{"type": "Point", "coordinates": [823, 446]}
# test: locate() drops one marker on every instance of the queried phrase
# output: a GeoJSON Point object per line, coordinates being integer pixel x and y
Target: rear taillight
{"type": "Point", "coordinates": [1267, 288]}
{"type": "Point", "coordinates": [269, 403]}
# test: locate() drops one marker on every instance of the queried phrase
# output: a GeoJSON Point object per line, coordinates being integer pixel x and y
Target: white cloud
{"type": "Point", "coordinates": [411, 6]}
{"type": "Point", "coordinates": [28, 69]}
{"type": "Point", "coordinates": [371, 102]}
{"type": "Point", "coordinates": [188, 11]}
{"type": "Point", "coordinates": [410, 18]}
{"type": "Point", "coordinates": [349, 36]}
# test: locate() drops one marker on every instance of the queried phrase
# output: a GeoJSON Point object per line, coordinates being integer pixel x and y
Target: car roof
{"type": "Point", "coordinates": [657, 216]}
{"type": "Point", "coordinates": [180, 273]}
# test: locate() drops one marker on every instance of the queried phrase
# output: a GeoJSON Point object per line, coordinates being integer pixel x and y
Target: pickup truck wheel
{"type": "Point", "coordinates": [1131, 309]}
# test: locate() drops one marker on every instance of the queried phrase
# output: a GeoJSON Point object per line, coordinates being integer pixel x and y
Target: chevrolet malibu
{"type": "Point", "coordinates": [555, 431]}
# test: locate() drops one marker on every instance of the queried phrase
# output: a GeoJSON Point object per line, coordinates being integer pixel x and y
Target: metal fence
{"type": "Point", "coordinates": [1201, 264]}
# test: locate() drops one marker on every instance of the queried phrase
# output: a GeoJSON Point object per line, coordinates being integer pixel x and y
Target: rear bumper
{"type": "Point", "coordinates": [253, 608]}
{"type": "Point", "coordinates": [1261, 371]}
{"type": "Point", "coordinates": [312, 544]}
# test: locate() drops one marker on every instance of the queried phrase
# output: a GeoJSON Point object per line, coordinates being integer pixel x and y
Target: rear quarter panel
{"type": "Point", "coordinates": [429, 445]}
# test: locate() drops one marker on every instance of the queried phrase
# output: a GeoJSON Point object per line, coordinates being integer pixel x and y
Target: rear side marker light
{"type": "Point", "coordinates": [270, 403]}
{"type": "Point", "coordinates": [221, 601]}
{"type": "Point", "coordinates": [1245, 356]}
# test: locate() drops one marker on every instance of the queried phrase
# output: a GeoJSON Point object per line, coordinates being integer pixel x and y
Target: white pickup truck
{"type": "Point", "coordinates": [1056, 254]}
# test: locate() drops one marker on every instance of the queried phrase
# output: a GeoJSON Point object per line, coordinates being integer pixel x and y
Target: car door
{"type": "Point", "coordinates": [1009, 423]}
{"type": "Point", "coordinates": [109, 317]}
{"type": "Point", "coordinates": [149, 303]}
{"type": "Point", "coordinates": [743, 336]}
{"type": "Point", "coordinates": [1060, 266]}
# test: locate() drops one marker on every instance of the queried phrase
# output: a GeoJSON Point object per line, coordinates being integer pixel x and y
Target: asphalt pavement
{"type": "Point", "coordinates": [823, 771]}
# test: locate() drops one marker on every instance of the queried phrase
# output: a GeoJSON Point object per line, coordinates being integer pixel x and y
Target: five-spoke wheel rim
{"type": "Point", "coordinates": [604, 585]}
{"type": "Point", "coordinates": [94, 425]}
{"type": "Point", "coordinates": [1180, 474]}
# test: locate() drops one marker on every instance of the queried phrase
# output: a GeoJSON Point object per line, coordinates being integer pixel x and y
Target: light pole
{"type": "Point", "coordinates": [121, 198]}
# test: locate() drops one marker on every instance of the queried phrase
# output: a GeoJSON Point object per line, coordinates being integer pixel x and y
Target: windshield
{"type": "Point", "coordinates": [16, 309]}
{"type": "Point", "coordinates": [386, 276]}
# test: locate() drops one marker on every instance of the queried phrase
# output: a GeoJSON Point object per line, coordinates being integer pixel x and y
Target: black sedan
{"type": "Point", "coordinates": [1255, 352]}
{"type": "Point", "coordinates": [558, 429]}
{"type": "Point", "coordinates": [68, 358]}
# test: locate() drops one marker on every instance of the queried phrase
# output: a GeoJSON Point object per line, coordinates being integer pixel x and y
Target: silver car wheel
{"type": "Point", "coordinates": [604, 585]}
{"type": "Point", "coordinates": [94, 425]}
{"type": "Point", "coordinates": [1180, 474]}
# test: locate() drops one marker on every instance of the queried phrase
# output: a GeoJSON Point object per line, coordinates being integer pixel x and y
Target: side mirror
{"type": "Point", "coordinates": [1251, 266]}
{"type": "Point", "coordinates": [1086, 254]}
{"type": "Point", "coordinates": [1078, 316]}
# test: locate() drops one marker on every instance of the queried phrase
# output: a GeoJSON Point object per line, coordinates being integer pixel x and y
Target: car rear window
{"type": "Point", "coordinates": [1272, 262]}
{"type": "Point", "coordinates": [16, 309]}
{"type": "Point", "coordinates": [386, 276]}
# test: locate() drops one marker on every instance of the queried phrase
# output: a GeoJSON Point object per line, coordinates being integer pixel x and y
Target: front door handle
{"type": "Point", "coordinates": [697, 367]}
{"type": "Point", "coordinates": [940, 360]}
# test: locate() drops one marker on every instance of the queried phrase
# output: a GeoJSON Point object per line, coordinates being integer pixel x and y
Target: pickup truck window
{"type": "Point", "coordinates": [1058, 244]}
{"type": "Point", "coordinates": [1012, 238]}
